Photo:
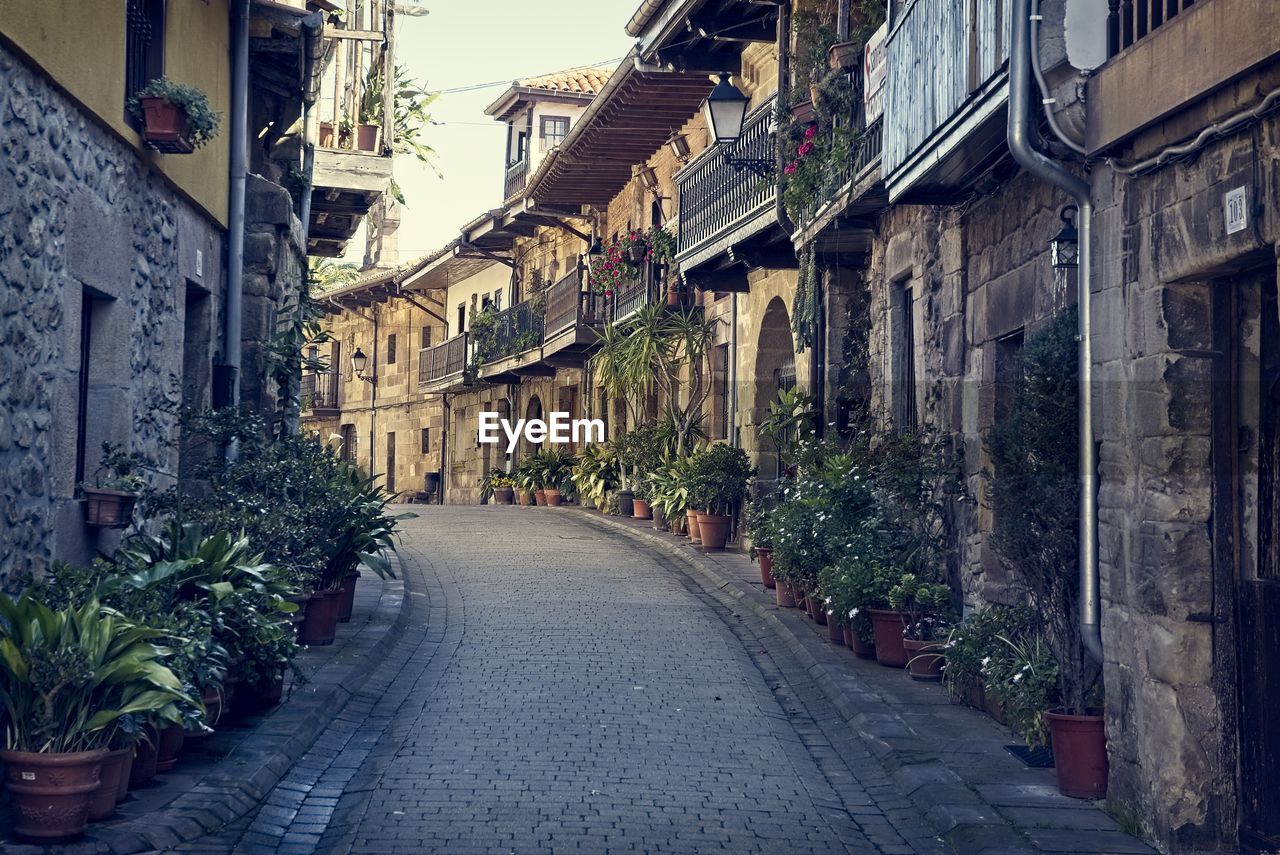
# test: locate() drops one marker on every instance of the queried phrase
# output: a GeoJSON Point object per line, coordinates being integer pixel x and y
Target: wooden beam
{"type": "Point", "coordinates": [732, 279]}
{"type": "Point", "coordinates": [332, 32]}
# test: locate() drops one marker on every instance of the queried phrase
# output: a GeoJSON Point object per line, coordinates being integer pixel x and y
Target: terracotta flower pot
{"type": "Point", "coordinates": [887, 626]}
{"type": "Point", "coordinates": [540, 497]}
{"type": "Point", "coordinates": [693, 525]}
{"type": "Point", "coordinates": [861, 649]}
{"type": "Point", "coordinates": [328, 138]}
{"type": "Point", "coordinates": [144, 760]}
{"type": "Point", "coordinates": [803, 113]}
{"type": "Point", "coordinates": [259, 694]}
{"type": "Point", "coordinates": [504, 495]}
{"type": "Point", "coordinates": [108, 508]}
{"type": "Point", "coordinates": [552, 497]}
{"type": "Point", "coordinates": [524, 498]}
{"type": "Point", "coordinates": [167, 748]}
{"type": "Point", "coordinates": [835, 633]}
{"type": "Point", "coordinates": [368, 137]}
{"type": "Point", "coordinates": [782, 595]}
{"type": "Point", "coordinates": [799, 598]}
{"type": "Point", "coordinates": [817, 609]}
{"type": "Point", "coordinates": [103, 801]}
{"type": "Point", "coordinates": [296, 617]}
{"type": "Point", "coordinates": [673, 297]}
{"type": "Point", "coordinates": [641, 510]}
{"type": "Point", "coordinates": [713, 529]}
{"type": "Point", "coordinates": [848, 633]}
{"type": "Point", "coordinates": [320, 626]}
{"type": "Point", "coordinates": [844, 56]}
{"type": "Point", "coordinates": [50, 793]}
{"type": "Point", "coordinates": [659, 520]}
{"type": "Point", "coordinates": [626, 502]}
{"type": "Point", "coordinates": [165, 126]}
{"type": "Point", "coordinates": [123, 773]}
{"type": "Point", "coordinates": [347, 600]}
{"type": "Point", "coordinates": [1079, 754]}
{"type": "Point", "coordinates": [926, 660]}
{"type": "Point", "coordinates": [976, 696]}
{"type": "Point", "coordinates": [765, 556]}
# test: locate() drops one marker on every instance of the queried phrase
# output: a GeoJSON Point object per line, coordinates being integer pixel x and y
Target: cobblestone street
{"type": "Point", "coordinates": [560, 689]}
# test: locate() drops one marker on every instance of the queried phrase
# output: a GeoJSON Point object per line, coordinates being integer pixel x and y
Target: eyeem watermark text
{"type": "Point", "coordinates": [559, 429]}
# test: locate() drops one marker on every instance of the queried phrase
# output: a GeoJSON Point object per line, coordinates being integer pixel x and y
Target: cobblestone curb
{"type": "Point", "coordinates": [237, 784]}
{"type": "Point", "coordinates": [973, 815]}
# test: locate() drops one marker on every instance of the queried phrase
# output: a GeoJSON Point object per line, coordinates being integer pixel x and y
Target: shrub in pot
{"type": "Point", "coordinates": [759, 528]}
{"type": "Point", "coordinates": [110, 502]}
{"type": "Point", "coordinates": [717, 485]}
{"type": "Point", "coordinates": [67, 679]}
{"type": "Point", "coordinates": [176, 118]}
{"type": "Point", "coordinates": [1035, 499]}
{"type": "Point", "coordinates": [499, 486]}
{"type": "Point", "coordinates": [927, 606]}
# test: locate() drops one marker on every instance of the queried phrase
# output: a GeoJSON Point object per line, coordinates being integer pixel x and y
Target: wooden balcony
{"type": "Point", "coordinates": [1131, 20]}
{"type": "Point", "coordinates": [721, 206]}
{"type": "Point", "coordinates": [513, 350]}
{"type": "Point", "coordinates": [445, 367]}
{"type": "Point", "coordinates": [946, 95]}
{"type": "Point", "coordinates": [647, 289]}
{"type": "Point", "coordinates": [319, 394]}
{"type": "Point", "coordinates": [516, 179]}
{"type": "Point", "coordinates": [356, 131]}
{"type": "Point", "coordinates": [573, 314]}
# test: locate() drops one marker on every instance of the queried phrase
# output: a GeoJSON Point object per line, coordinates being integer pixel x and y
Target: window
{"type": "Point", "coordinates": [497, 300]}
{"type": "Point", "coordinates": [426, 338]}
{"type": "Point", "coordinates": [426, 440]}
{"type": "Point", "coordinates": [721, 391]}
{"type": "Point", "coordinates": [905, 417]}
{"type": "Point", "coordinates": [462, 319]}
{"type": "Point", "coordinates": [521, 140]}
{"type": "Point", "coordinates": [391, 463]}
{"type": "Point", "coordinates": [143, 45]}
{"type": "Point", "coordinates": [391, 349]}
{"type": "Point", "coordinates": [554, 129]}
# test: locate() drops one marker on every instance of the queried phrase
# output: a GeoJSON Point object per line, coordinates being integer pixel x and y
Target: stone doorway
{"type": "Point", "coordinates": [1246, 530]}
{"type": "Point", "coordinates": [775, 369]}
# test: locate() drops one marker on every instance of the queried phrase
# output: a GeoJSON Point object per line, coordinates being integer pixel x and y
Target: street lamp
{"type": "Point", "coordinates": [1064, 249]}
{"type": "Point", "coordinates": [679, 146]}
{"type": "Point", "coordinates": [359, 362]}
{"type": "Point", "coordinates": [725, 111]}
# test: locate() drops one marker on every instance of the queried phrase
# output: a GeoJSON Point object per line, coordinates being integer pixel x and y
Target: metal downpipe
{"type": "Point", "coordinates": [1020, 82]}
{"type": "Point", "coordinates": [239, 109]}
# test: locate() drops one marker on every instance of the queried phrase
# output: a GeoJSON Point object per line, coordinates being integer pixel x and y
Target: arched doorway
{"type": "Point", "coordinates": [775, 369]}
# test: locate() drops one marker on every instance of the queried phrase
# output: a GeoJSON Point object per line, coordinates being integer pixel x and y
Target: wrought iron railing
{"type": "Point", "coordinates": [515, 330]}
{"type": "Point", "coordinates": [445, 359]}
{"type": "Point", "coordinates": [645, 289]}
{"type": "Point", "coordinates": [569, 305]}
{"type": "Point", "coordinates": [517, 177]}
{"type": "Point", "coordinates": [319, 391]}
{"type": "Point", "coordinates": [716, 198]}
{"type": "Point", "coordinates": [1130, 20]}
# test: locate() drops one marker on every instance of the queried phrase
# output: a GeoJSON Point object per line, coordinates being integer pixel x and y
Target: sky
{"type": "Point", "coordinates": [463, 43]}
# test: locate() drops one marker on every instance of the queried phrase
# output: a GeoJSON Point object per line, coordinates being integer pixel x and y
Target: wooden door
{"type": "Point", "coordinates": [1247, 527]}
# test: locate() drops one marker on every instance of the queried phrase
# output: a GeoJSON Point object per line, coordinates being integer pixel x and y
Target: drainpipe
{"type": "Point", "coordinates": [239, 109]}
{"type": "Point", "coordinates": [373, 395]}
{"type": "Point", "coordinates": [784, 84]}
{"type": "Point", "coordinates": [732, 368]}
{"type": "Point", "coordinates": [1020, 122]}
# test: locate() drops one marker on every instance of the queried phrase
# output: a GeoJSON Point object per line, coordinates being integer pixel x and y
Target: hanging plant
{"type": "Point", "coordinates": [615, 266]}
{"type": "Point", "coordinates": [804, 309]}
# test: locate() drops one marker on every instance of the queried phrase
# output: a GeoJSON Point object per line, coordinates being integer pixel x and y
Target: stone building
{"type": "Point", "coordinates": [117, 261]}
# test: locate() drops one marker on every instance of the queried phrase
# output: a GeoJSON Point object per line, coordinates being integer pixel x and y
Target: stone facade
{"type": "Point", "coordinates": [90, 237]}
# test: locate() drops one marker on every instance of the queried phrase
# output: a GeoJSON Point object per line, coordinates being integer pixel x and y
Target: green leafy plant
{"type": "Point", "coordinates": [926, 604]}
{"type": "Point", "coordinates": [973, 643]}
{"type": "Point", "coordinates": [790, 421]}
{"type": "Point", "coordinates": [595, 473]}
{"type": "Point", "coordinates": [69, 677]}
{"type": "Point", "coordinates": [121, 470]}
{"type": "Point", "coordinates": [202, 121]}
{"type": "Point", "coordinates": [719, 478]}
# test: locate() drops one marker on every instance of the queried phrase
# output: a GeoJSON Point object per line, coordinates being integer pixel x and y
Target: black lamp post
{"type": "Point", "coordinates": [725, 111]}
{"type": "Point", "coordinates": [359, 362]}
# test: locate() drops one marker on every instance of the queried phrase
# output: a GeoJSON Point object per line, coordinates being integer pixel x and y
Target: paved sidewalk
{"type": "Point", "coordinates": [946, 759]}
{"type": "Point", "coordinates": [228, 775]}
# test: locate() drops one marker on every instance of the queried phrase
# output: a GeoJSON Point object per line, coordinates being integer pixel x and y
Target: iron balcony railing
{"type": "Point", "coordinates": [516, 179]}
{"type": "Point", "coordinates": [569, 305]}
{"type": "Point", "coordinates": [715, 198]}
{"type": "Point", "coordinates": [644, 290]}
{"type": "Point", "coordinates": [515, 330]}
{"type": "Point", "coordinates": [319, 391]}
{"type": "Point", "coordinates": [1131, 20]}
{"type": "Point", "coordinates": [445, 359]}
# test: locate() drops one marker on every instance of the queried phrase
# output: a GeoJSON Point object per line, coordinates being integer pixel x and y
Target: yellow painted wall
{"type": "Point", "coordinates": [80, 45]}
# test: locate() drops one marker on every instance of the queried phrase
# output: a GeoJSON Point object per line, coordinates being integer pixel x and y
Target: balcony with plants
{"type": "Point", "coordinates": [830, 137]}
{"type": "Point", "coordinates": [506, 344]}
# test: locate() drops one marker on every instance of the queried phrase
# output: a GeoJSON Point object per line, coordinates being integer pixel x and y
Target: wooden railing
{"type": "Point", "coordinates": [939, 54]}
{"type": "Point", "coordinates": [644, 290]}
{"type": "Point", "coordinates": [517, 177]}
{"type": "Point", "coordinates": [715, 198]}
{"type": "Point", "coordinates": [357, 106]}
{"type": "Point", "coordinates": [1130, 20]}
{"type": "Point", "coordinates": [568, 305]}
{"type": "Point", "coordinates": [319, 391]}
{"type": "Point", "coordinates": [515, 330]}
{"type": "Point", "coordinates": [445, 359]}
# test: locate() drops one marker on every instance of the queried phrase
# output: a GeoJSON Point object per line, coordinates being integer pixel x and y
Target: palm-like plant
{"type": "Point", "coordinates": [595, 473]}
{"type": "Point", "coordinates": [69, 678]}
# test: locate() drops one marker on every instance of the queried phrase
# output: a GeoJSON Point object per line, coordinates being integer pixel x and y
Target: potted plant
{"type": "Point", "coordinates": [1035, 501]}
{"type": "Point", "coordinates": [718, 484]}
{"type": "Point", "coordinates": [498, 485]}
{"type": "Point", "coordinates": [759, 528]}
{"type": "Point", "coordinates": [641, 493]}
{"type": "Point", "coordinates": [554, 467]}
{"type": "Point", "coordinates": [176, 118]}
{"type": "Point", "coordinates": [67, 679]}
{"type": "Point", "coordinates": [110, 502]}
{"type": "Point", "coordinates": [926, 605]}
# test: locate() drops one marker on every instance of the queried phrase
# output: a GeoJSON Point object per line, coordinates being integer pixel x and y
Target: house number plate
{"type": "Point", "coordinates": [1237, 211]}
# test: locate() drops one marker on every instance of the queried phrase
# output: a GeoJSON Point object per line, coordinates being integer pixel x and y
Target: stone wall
{"type": "Point", "coordinates": [84, 215]}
